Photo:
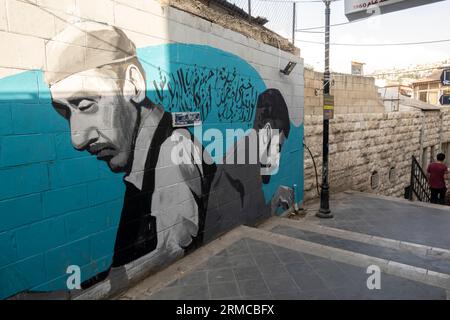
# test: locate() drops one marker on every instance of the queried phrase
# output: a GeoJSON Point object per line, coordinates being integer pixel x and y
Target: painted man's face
{"type": "Point", "coordinates": [101, 120]}
{"type": "Point", "coordinates": [271, 144]}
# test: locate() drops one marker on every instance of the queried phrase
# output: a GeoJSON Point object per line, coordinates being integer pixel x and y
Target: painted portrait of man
{"type": "Point", "coordinates": [237, 195]}
{"type": "Point", "coordinates": [98, 84]}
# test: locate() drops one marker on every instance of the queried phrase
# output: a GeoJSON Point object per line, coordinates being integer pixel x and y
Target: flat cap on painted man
{"type": "Point", "coordinates": [84, 46]}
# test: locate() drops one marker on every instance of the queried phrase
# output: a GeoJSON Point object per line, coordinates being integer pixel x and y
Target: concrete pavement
{"type": "Point", "coordinates": [309, 258]}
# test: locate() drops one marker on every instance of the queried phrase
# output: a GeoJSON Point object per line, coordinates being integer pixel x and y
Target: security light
{"type": "Point", "coordinates": [289, 68]}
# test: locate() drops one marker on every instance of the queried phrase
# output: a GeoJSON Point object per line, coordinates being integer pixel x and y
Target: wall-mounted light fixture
{"type": "Point", "coordinates": [289, 68]}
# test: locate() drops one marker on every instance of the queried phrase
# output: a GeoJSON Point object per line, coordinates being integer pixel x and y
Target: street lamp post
{"type": "Point", "coordinates": [324, 211]}
{"type": "Point", "coordinates": [294, 21]}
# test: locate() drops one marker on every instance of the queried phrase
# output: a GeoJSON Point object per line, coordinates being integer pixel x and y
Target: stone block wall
{"type": "Point", "coordinates": [362, 144]}
{"type": "Point", "coordinates": [352, 94]}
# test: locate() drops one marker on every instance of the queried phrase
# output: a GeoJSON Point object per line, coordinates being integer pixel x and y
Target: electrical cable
{"type": "Point", "coordinates": [315, 167]}
{"type": "Point", "coordinates": [333, 25]}
{"type": "Point", "coordinates": [407, 71]}
{"type": "Point", "coordinates": [378, 44]}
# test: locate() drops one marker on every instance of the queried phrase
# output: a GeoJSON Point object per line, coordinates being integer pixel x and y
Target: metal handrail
{"type": "Point", "coordinates": [419, 183]}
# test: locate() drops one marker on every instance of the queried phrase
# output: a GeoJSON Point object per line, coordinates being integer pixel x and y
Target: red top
{"type": "Point", "coordinates": [437, 171]}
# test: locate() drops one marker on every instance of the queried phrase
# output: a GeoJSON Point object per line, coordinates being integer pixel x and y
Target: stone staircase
{"type": "Point", "coordinates": [300, 259]}
{"type": "Point", "coordinates": [421, 263]}
{"type": "Point", "coordinates": [406, 243]}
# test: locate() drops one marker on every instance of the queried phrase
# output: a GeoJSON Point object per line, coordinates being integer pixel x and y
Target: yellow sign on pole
{"type": "Point", "coordinates": [328, 107]}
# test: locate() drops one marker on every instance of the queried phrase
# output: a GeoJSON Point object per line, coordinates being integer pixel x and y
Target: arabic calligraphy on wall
{"type": "Point", "coordinates": [195, 89]}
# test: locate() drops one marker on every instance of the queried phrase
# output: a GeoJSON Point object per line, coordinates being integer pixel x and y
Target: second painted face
{"type": "Point", "coordinates": [102, 120]}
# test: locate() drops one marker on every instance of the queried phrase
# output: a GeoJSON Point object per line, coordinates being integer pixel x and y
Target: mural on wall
{"type": "Point", "coordinates": [194, 89]}
{"type": "Point", "coordinates": [114, 105]}
{"type": "Point", "coordinates": [237, 195]}
{"type": "Point", "coordinates": [104, 98]}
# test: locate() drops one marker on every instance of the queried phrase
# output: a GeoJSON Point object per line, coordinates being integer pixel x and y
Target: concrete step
{"type": "Point", "coordinates": [285, 267]}
{"type": "Point", "coordinates": [416, 255]}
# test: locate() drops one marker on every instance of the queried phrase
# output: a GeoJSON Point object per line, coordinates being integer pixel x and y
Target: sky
{"type": "Point", "coordinates": [424, 23]}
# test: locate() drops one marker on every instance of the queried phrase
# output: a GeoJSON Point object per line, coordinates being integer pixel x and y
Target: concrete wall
{"type": "Point", "coordinates": [352, 94]}
{"type": "Point", "coordinates": [361, 144]}
{"type": "Point", "coordinates": [82, 103]}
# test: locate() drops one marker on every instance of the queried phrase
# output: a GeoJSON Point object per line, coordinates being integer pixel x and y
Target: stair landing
{"type": "Point", "coordinates": [308, 258]}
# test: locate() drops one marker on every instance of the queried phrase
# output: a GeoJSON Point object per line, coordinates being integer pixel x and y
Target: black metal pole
{"type": "Point", "coordinates": [324, 211]}
{"type": "Point", "coordinates": [294, 21]}
{"type": "Point", "coordinates": [250, 10]}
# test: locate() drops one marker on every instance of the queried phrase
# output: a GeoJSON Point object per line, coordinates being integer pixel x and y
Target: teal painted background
{"type": "Point", "coordinates": [61, 207]}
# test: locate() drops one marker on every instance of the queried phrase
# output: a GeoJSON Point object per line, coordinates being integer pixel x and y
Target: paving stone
{"type": "Point", "coordinates": [218, 262]}
{"type": "Point", "coordinates": [355, 274]}
{"type": "Point", "coordinates": [290, 256]}
{"type": "Point", "coordinates": [251, 269]}
{"type": "Point", "coordinates": [224, 290]}
{"type": "Point", "coordinates": [317, 295]}
{"type": "Point", "coordinates": [241, 261]}
{"type": "Point", "coordinates": [398, 288]}
{"type": "Point", "coordinates": [405, 222]}
{"type": "Point", "coordinates": [251, 288]}
{"type": "Point", "coordinates": [322, 264]}
{"type": "Point", "coordinates": [335, 278]}
{"type": "Point", "coordinates": [294, 295]}
{"type": "Point", "coordinates": [311, 257]}
{"type": "Point", "coordinates": [193, 292]}
{"type": "Point", "coordinates": [182, 293]}
{"type": "Point", "coordinates": [220, 275]}
{"type": "Point", "coordinates": [309, 282]}
{"type": "Point", "coordinates": [247, 273]}
{"type": "Point", "coordinates": [223, 253]}
{"type": "Point", "coordinates": [346, 294]}
{"type": "Point", "coordinates": [402, 256]}
{"type": "Point", "coordinates": [238, 248]}
{"type": "Point", "coordinates": [175, 283]}
{"type": "Point", "coordinates": [274, 270]}
{"type": "Point", "coordinates": [202, 266]}
{"type": "Point", "coordinates": [172, 293]}
{"type": "Point", "coordinates": [266, 258]}
{"type": "Point", "coordinates": [281, 285]}
{"type": "Point", "coordinates": [291, 232]}
{"type": "Point", "coordinates": [299, 268]}
{"type": "Point", "coordinates": [257, 247]}
{"type": "Point", "coordinates": [260, 298]}
{"type": "Point", "coordinates": [195, 278]}
{"type": "Point", "coordinates": [232, 298]}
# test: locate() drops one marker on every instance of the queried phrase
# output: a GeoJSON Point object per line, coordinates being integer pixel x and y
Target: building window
{"type": "Point", "coordinates": [445, 98]}
{"type": "Point", "coordinates": [392, 175]}
{"type": "Point", "coordinates": [446, 77]}
{"type": "Point", "coordinates": [374, 180]}
{"type": "Point", "coordinates": [423, 96]}
{"type": "Point", "coordinates": [433, 97]}
{"type": "Point", "coordinates": [434, 85]}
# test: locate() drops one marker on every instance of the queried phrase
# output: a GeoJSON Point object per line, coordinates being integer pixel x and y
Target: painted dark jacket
{"type": "Point", "coordinates": [236, 196]}
{"type": "Point", "coordinates": [165, 206]}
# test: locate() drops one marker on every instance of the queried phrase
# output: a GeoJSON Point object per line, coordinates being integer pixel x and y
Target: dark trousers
{"type": "Point", "coordinates": [438, 195]}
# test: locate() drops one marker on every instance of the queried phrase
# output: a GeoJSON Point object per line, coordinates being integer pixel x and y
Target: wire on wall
{"type": "Point", "coordinates": [315, 168]}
